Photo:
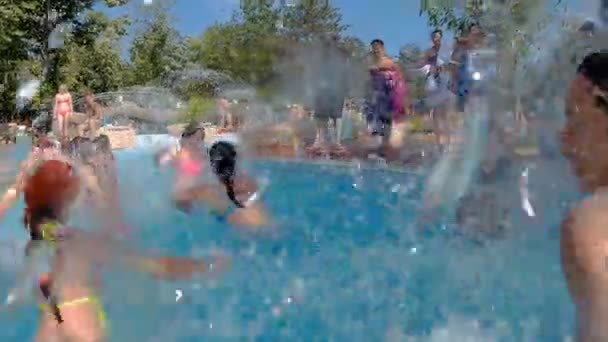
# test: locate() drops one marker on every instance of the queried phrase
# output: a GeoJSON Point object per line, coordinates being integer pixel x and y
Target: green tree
{"type": "Point", "coordinates": [25, 27]}
{"type": "Point", "coordinates": [92, 58]}
{"type": "Point", "coordinates": [245, 48]}
{"type": "Point", "coordinates": [409, 56]}
{"type": "Point", "coordinates": [355, 47]}
{"type": "Point", "coordinates": [158, 50]}
{"type": "Point", "coordinates": [308, 20]}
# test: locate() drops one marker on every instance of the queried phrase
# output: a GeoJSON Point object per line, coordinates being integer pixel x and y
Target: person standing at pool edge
{"type": "Point", "coordinates": [63, 110]}
{"type": "Point", "coordinates": [386, 94]}
{"type": "Point", "coordinates": [330, 92]}
{"type": "Point", "coordinates": [584, 233]}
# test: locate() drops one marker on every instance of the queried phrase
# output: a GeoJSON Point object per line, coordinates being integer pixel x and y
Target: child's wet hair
{"type": "Point", "coordinates": [223, 158]}
{"type": "Point", "coordinates": [595, 67]}
{"type": "Point", "coordinates": [192, 129]}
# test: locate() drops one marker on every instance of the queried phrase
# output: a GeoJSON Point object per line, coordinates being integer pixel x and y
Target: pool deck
{"type": "Point", "coordinates": [410, 155]}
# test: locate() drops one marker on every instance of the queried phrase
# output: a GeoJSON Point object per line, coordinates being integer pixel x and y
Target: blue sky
{"type": "Point", "coordinates": [396, 22]}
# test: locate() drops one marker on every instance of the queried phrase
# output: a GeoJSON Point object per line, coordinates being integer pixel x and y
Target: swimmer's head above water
{"type": "Point", "coordinates": [49, 193]}
{"type": "Point", "coordinates": [193, 133]}
{"type": "Point", "coordinates": [584, 139]}
{"type": "Point", "coordinates": [223, 157]}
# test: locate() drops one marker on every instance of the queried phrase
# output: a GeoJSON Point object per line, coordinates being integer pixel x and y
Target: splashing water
{"type": "Point", "coordinates": [453, 174]}
{"type": "Point", "coordinates": [26, 92]}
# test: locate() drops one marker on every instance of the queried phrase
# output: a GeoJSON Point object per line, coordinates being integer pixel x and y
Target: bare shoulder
{"type": "Point", "coordinates": [584, 235]}
{"type": "Point", "coordinates": [590, 216]}
{"type": "Point", "coordinates": [388, 62]}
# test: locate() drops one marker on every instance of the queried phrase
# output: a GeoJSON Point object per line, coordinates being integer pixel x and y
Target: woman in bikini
{"type": "Point", "coordinates": [187, 158]}
{"type": "Point", "coordinates": [62, 110]}
{"type": "Point", "coordinates": [233, 199]}
{"type": "Point", "coordinates": [71, 309]}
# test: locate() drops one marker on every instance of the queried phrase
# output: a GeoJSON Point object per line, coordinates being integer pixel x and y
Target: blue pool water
{"type": "Point", "coordinates": [340, 264]}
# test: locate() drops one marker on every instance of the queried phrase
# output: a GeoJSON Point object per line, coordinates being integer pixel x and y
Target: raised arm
{"type": "Point", "coordinates": [91, 182]}
{"type": "Point", "coordinates": [105, 249]}
{"type": "Point", "coordinates": [11, 195]}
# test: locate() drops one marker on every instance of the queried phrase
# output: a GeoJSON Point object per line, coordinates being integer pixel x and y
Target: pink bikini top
{"type": "Point", "coordinates": [188, 165]}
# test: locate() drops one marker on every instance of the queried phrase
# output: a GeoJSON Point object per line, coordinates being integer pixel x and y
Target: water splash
{"type": "Point", "coordinates": [26, 91]}
{"type": "Point", "coordinates": [525, 194]}
{"type": "Point", "coordinates": [213, 80]}
{"type": "Point", "coordinates": [451, 177]}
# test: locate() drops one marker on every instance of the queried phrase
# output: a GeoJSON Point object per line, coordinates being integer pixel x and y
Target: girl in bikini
{"type": "Point", "coordinates": [62, 110]}
{"type": "Point", "coordinates": [235, 197]}
{"type": "Point", "coordinates": [187, 158]}
{"type": "Point", "coordinates": [71, 309]}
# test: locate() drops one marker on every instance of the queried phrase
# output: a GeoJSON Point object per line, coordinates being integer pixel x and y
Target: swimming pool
{"type": "Point", "coordinates": [339, 265]}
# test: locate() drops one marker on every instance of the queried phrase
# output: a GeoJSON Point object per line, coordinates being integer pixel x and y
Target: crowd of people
{"type": "Point", "coordinates": [60, 178]}
{"type": "Point", "coordinates": [387, 105]}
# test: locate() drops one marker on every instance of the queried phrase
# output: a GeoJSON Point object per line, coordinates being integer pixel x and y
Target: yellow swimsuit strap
{"type": "Point", "coordinates": [101, 314]}
{"type": "Point", "coordinates": [50, 232]}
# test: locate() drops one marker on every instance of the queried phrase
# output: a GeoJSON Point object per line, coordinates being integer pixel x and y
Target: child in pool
{"type": "Point", "coordinates": [187, 158]}
{"type": "Point", "coordinates": [235, 198]}
{"type": "Point", "coordinates": [70, 307]}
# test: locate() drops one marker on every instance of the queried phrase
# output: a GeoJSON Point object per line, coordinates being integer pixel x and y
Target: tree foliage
{"type": "Point", "coordinates": [158, 49]}
{"type": "Point", "coordinates": [259, 37]}
{"type": "Point", "coordinates": [308, 20]}
{"type": "Point", "coordinates": [250, 47]}
{"type": "Point", "coordinates": [25, 28]}
{"type": "Point", "coordinates": [409, 55]}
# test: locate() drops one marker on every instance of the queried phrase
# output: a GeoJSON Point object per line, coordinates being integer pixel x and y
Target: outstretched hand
{"type": "Point", "coordinates": [182, 268]}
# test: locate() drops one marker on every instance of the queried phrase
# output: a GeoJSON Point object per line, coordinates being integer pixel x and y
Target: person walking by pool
{"type": "Point", "coordinates": [475, 39]}
{"type": "Point", "coordinates": [437, 93]}
{"type": "Point", "coordinates": [71, 309]}
{"type": "Point", "coordinates": [584, 238]}
{"type": "Point", "coordinates": [329, 94]}
{"type": "Point", "coordinates": [62, 110]}
{"type": "Point", "coordinates": [386, 94]}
